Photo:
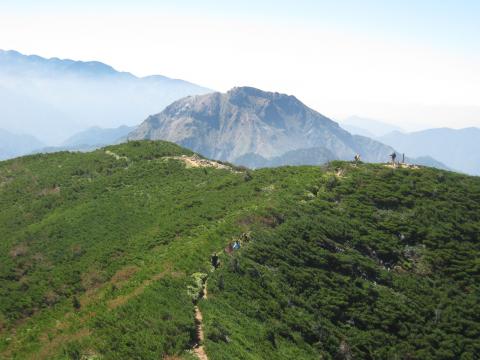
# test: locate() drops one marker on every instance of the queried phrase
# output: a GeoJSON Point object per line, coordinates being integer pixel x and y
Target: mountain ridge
{"type": "Point", "coordinates": [96, 135]}
{"type": "Point", "coordinates": [106, 254]}
{"type": "Point", "coordinates": [14, 145]}
{"type": "Point", "coordinates": [456, 148]}
{"type": "Point", "coordinates": [248, 120]}
{"type": "Point", "coordinates": [66, 96]}
{"type": "Point", "coordinates": [258, 128]}
{"type": "Point", "coordinates": [373, 128]}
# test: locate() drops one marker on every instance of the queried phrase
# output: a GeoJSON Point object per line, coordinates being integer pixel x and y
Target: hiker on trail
{"type": "Point", "coordinates": [245, 237]}
{"type": "Point", "coordinates": [215, 261]}
{"type": "Point", "coordinates": [357, 158]}
{"type": "Point", "coordinates": [229, 249]}
{"type": "Point", "coordinates": [393, 156]}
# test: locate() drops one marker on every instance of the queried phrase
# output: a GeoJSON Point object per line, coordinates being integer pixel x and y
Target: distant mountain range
{"type": "Point", "coordinates": [96, 136]}
{"type": "Point", "coordinates": [75, 105]}
{"type": "Point", "coordinates": [458, 149]}
{"type": "Point", "coordinates": [308, 156]}
{"type": "Point", "coordinates": [14, 145]}
{"type": "Point", "coordinates": [256, 128]}
{"type": "Point", "coordinates": [55, 98]}
{"type": "Point", "coordinates": [358, 125]}
{"type": "Point", "coordinates": [91, 139]}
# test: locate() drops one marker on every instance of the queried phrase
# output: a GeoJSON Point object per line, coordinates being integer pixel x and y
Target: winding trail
{"type": "Point", "coordinates": [199, 349]}
{"type": "Point", "coordinates": [116, 156]}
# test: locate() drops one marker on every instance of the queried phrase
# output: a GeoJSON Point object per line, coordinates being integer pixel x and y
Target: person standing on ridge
{"type": "Point", "coordinates": [393, 156]}
{"type": "Point", "coordinates": [357, 158]}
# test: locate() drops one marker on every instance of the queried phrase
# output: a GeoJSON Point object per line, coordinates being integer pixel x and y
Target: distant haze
{"type": "Point", "coordinates": [415, 64]}
{"type": "Point", "coordinates": [52, 98]}
{"type": "Point", "coordinates": [458, 149]}
{"type": "Point", "coordinates": [367, 127]}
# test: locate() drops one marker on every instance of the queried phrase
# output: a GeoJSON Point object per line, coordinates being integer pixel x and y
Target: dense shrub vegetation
{"type": "Point", "coordinates": [97, 253]}
{"type": "Point", "coordinates": [382, 264]}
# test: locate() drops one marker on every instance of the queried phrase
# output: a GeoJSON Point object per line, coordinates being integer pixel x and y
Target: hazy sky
{"type": "Point", "coordinates": [413, 63]}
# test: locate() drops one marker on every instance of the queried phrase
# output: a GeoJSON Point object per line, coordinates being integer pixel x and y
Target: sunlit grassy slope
{"type": "Point", "coordinates": [97, 252]}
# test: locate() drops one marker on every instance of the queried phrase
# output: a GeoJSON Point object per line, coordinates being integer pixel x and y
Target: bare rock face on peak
{"type": "Point", "coordinates": [248, 121]}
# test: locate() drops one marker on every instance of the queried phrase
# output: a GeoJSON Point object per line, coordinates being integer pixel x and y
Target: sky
{"type": "Point", "coordinates": [415, 64]}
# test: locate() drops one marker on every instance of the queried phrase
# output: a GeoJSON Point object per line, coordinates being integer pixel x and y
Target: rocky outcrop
{"type": "Point", "coordinates": [248, 121]}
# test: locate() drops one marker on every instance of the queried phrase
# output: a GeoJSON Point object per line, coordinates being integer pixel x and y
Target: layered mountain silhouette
{"type": "Point", "coordinates": [256, 128]}
{"type": "Point", "coordinates": [309, 156]}
{"type": "Point", "coordinates": [88, 140]}
{"type": "Point", "coordinates": [13, 145]}
{"type": "Point", "coordinates": [97, 136]}
{"type": "Point", "coordinates": [458, 149]}
{"type": "Point", "coordinates": [367, 127]}
{"type": "Point", "coordinates": [56, 98]}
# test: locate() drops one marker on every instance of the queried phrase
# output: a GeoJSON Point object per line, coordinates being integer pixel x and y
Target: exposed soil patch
{"type": "Point", "coordinates": [50, 191]}
{"type": "Point", "coordinates": [197, 162]}
{"type": "Point", "coordinates": [123, 275]}
{"type": "Point", "coordinates": [116, 156]}
{"type": "Point", "coordinates": [18, 251]}
{"type": "Point", "coordinates": [402, 166]}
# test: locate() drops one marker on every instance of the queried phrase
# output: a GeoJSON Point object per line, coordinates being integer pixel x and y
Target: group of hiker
{"type": "Point", "coordinates": [392, 156]}
{"type": "Point", "coordinates": [231, 247]}
{"type": "Point", "coordinates": [215, 260]}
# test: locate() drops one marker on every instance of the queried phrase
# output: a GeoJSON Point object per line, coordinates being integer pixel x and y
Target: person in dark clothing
{"type": "Point", "coordinates": [393, 156]}
{"type": "Point", "coordinates": [215, 260]}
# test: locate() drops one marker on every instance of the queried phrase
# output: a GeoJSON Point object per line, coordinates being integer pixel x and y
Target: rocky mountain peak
{"type": "Point", "coordinates": [246, 120]}
{"type": "Point", "coordinates": [244, 96]}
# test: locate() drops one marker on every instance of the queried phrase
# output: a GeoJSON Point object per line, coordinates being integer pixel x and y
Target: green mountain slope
{"type": "Point", "coordinates": [101, 255]}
